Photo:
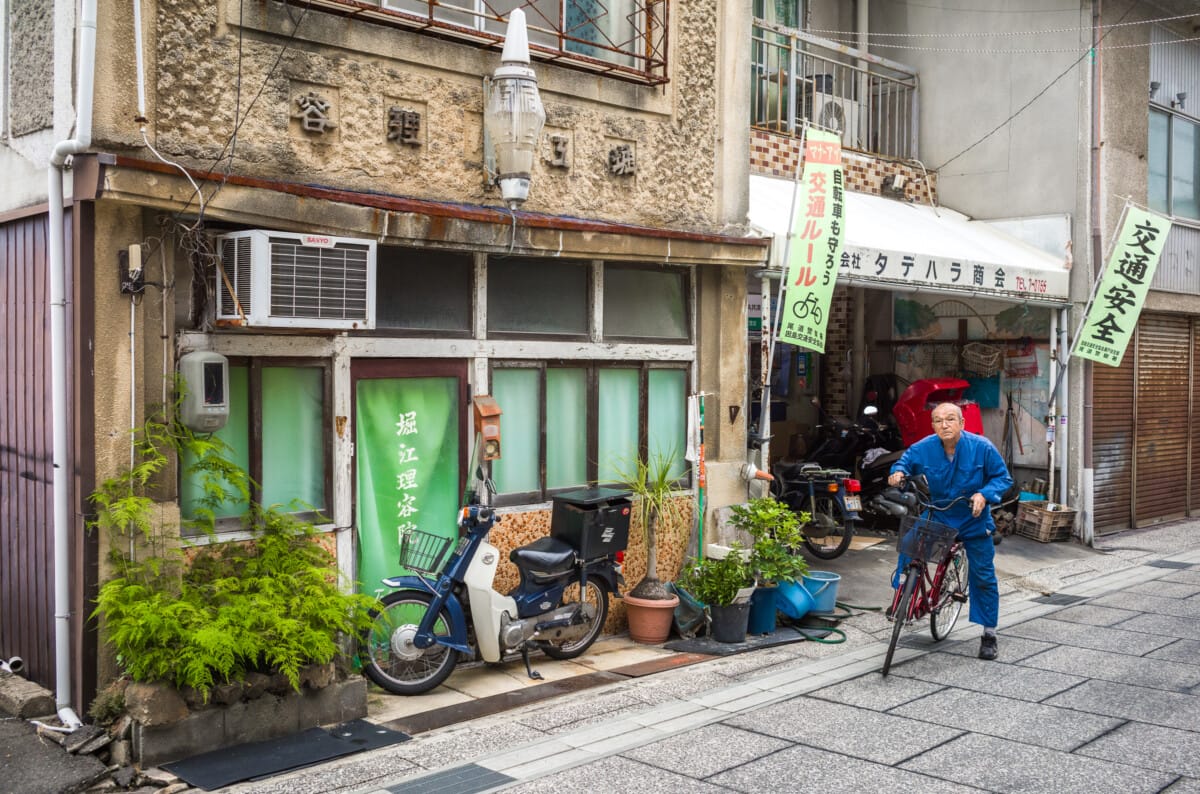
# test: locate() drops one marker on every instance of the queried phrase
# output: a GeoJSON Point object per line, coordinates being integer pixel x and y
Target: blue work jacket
{"type": "Point", "coordinates": [975, 468]}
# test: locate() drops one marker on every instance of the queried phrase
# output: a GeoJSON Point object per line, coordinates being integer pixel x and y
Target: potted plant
{"type": "Point", "coordinates": [650, 606]}
{"type": "Point", "coordinates": [775, 533]}
{"type": "Point", "coordinates": [719, 583]}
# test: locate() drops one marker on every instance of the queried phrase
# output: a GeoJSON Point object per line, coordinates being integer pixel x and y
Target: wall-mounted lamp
{"type": "Point", "coordinates": [513, 115]}
{"type": "Point", "coordinates": [1179, 99]}
{"type": "Point", "coordinates": [1154, 86]}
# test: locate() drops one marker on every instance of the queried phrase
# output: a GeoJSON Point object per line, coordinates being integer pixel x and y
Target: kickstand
{"type": "Point", "coordinates": [525, 655]}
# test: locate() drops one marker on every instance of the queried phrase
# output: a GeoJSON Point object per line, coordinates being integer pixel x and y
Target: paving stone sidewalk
{"type": "Point", "coordinates": [1097, 689]}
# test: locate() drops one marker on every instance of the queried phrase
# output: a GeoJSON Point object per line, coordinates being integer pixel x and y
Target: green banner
{"type": "Point", "coordinates": [406, 451]}
{"type": "Point", "coordinates": [1122, 290]}
{"type": "Point", "coordinates": [815, 248]}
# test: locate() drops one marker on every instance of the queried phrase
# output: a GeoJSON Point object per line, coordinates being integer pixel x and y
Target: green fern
{"type": "Point", "coordinates": [270, 604]}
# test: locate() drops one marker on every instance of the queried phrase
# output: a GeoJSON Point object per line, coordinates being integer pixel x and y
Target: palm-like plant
{"type": "Point", "coordinates": [652, 481]}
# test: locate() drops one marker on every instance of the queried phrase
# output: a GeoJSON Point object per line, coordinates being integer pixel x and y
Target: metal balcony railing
{"type": "Point", "coordinates": [799, 79]}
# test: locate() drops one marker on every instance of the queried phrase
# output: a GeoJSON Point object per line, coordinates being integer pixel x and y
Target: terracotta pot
{"type": "Point", "coordinates": [650, 620]}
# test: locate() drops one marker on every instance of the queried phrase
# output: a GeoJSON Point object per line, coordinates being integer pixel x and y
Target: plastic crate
{"type": "Point", "coordinates": [1045, 521]}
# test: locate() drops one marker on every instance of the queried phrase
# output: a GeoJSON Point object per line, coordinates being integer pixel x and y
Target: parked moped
{"type": "Point", "coordinates": [446, 611]}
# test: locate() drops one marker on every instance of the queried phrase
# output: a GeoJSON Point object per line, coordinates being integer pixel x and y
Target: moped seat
{"type": "Point", "coordinates": [545, 556]}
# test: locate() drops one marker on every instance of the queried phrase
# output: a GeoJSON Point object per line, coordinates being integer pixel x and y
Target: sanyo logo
{"type": "Point", "coordinates": [318, 240]}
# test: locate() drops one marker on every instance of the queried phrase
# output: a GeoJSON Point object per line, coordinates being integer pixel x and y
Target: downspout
{"type": "Point", "coordinates": [1096, 263]}
{"type": "Point", "coordinates": [58, 359]}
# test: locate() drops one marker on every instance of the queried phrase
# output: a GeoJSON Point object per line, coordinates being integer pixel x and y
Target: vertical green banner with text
{"type": "Point", "coordinates": [815, 250]}
{"type": "Point", "coordinates": [406, 449]}
{"type": "Point", "coordinates": [1122, 291]}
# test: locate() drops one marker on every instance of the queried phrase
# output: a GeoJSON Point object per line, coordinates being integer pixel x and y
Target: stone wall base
{"type": "Point", "coordinates": [268, 717]}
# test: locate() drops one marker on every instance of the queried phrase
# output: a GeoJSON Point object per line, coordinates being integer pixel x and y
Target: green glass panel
{"type": "Point", "coordinates": [644, 303]}
{"type": "Point", "coordinates": [236, 434]}
{"type": "Point", "coordinates": [618, 423]}
{"type": "Point", "coordinates": [667, 416]}
{"type": "Point", "coordinates": [1157, 159]}
{"type": "Point", "coordinates": [407, 466]}
{"type": "Point", "coordinates": [1185, 169]}
{"type": "Point", "coordinates": [566, 428]}
{"type": "Point", "coordinates": [516, 392]}
{"type": "Point", "coordinates": [293, 453]}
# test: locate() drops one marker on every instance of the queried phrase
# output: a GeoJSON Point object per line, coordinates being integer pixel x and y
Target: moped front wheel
{"type": "Point", "coordinates": [392, 660]}
{"type": "Point", "coordinates": [594, 605]}
{"type": "Point", "coordinates": [829, 532]}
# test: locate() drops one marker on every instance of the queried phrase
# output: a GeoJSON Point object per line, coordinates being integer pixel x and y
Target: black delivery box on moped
{"type": "Point", "coordinates": [593, 520]}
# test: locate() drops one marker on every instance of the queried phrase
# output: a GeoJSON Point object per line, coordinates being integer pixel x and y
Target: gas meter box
{"type": "Point", "coordinates": [593, 520]}
{"type": "Point", "coordinates": [205, 406]}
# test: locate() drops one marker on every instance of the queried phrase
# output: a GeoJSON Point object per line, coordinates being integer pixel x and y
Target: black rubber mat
{"type": "Point", "coordinates": [256, 760]}
{"type": "Point", "coordinates": [1060, 599]}
{"type": "Point", "coordinates": [710, 647]}
{"type": "Point", "coordinates": [459, 780]}
{"type": "Point", "coordinates": [1169, 564]}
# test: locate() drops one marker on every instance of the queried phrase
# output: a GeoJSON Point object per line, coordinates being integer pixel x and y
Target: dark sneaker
{"type": "Point", "coordinates": [988, 649]}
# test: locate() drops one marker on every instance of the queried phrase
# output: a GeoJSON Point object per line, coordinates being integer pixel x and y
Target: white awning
{"type": "Point", "coordinates": [896, 245]}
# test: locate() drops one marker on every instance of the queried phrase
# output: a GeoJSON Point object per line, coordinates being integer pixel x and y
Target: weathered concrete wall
{"type": "Point", "coordinates": [30, 66]}
{"type": "Point", "coordinates": [362, 69]}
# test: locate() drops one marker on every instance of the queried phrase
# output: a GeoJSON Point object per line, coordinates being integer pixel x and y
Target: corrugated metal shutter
{"type": "Point", "coordinates": [1194, 421]}
{"type": "Point", "coordinates": [1163, 347]}
{"type": "Point", "coordinates": [1112, 443]}
{"type": "Point", "coordinates": [26, 507]}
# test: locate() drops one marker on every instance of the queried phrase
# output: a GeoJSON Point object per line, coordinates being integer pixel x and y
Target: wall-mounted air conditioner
{"type": "Point", "coordinates": [281, 279]}
{"type": "Point", "coordinates": [835, 114]}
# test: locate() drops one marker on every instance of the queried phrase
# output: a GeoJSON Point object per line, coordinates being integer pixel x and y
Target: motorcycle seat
{"type": "Point", "coordinates": [545, 555]}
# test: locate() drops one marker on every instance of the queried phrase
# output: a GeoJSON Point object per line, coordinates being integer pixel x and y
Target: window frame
{"type": "Point", "coordinates": [590, 307]}
{"type": "Point", "coordinates": [687, 291]}
{"type": "Point", "coordinates": [255, 366]}
{"type": "Point", "coordinates": [1172, 116]}
{"type": "Point", "coordinates": [651, 61]}
{"type": "Point", "coordinates": [391, 332]}
{"type": "Point", "coordinates": [592, 371]}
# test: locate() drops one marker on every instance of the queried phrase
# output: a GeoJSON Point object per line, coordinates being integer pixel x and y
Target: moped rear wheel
{"type": "Point", "coordinates": [392, 661]}
{"type": "Point", "coordinates": [595, 609]}
{"type": "Point", "coordinates": [946, 609]}
{"type": "Point", "coordinates": [829, 532]}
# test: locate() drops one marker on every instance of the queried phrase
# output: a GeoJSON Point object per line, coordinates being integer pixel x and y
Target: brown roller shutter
{"type": "Point", "coordinates": [1112, 443]}
{"type": "Point", "coordinates": [1194, 422]}
{"type": "Point", "coordinates": [1163, 363]}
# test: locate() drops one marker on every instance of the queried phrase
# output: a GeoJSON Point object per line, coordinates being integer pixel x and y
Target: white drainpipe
{"type": "Point", "coordinates": [58, 359]}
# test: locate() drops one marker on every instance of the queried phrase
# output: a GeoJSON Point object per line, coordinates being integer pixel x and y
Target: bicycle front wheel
{"type": "Point", "coordinates": [829, 532]}
{"type": "Point", "coordinates": [947, 607]}
{"type": "Point", "coordinates": [900, 616]}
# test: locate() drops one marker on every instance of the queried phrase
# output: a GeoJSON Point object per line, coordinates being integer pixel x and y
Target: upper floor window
{"type": "Point", "coordinates": [1174, 164]}
{"type": "Point", "coordinates": [623, 37]}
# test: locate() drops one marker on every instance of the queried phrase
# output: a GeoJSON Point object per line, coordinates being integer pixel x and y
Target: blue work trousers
{"type": "Point", "coordinates": [983, 590]}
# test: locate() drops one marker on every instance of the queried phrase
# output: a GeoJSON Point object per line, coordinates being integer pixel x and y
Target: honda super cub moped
{"type": "Point", "coordinates": [447, 610]}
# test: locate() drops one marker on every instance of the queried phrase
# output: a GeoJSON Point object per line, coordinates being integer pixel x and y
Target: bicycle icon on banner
{"type": "Point", "coordinates": [808, 309]}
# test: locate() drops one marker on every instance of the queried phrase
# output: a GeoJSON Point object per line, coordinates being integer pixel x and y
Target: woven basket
{"type": "Point", "coordinates": [1045, 521]}
{"type": "Point", "coordinates": [982, 360]}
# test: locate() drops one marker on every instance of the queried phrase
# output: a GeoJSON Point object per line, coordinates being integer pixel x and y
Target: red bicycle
{"type": "Point", "coordinates": [939, 594]}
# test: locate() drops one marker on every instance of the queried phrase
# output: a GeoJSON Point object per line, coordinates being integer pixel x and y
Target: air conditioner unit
{"type": "Point", "coordinates": [835, 114]}
{"type": "Point", "coordinates": [281, 279]}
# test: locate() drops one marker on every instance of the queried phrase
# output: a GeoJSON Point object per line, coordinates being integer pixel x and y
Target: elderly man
{"type": "Point", "coordinates": [959, 463]}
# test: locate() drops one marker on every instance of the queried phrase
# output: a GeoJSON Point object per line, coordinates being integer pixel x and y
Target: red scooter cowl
{"type": "Point", "coordinates": [914, 410]}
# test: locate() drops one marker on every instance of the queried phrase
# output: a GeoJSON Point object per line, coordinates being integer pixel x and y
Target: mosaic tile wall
{"type": "Point", "coordinates": [779, 155]}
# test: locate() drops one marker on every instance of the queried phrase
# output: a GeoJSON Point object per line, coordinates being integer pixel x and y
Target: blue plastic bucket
{"type": "Point", "coordinates": [762, 611]}
{"type": "Point", "coordinates": [793, 600]}
{"type": "Point", "coordinates": [822, 588]}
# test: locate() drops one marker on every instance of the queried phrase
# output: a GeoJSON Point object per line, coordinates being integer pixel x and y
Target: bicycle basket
{"type": "Point", "coordinates": [924, 539]}
{"type": "Point", "coordinates": [980, 359]}
{"type": "Point", "coordinates": [422, 551]}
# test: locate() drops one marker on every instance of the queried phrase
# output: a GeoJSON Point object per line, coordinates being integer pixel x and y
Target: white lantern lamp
{"type": "Point", "coordinates": [513, 116]}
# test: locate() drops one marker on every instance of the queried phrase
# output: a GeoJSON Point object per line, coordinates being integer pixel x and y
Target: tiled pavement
{"type": "Point", "coordinates": [1098, 695]}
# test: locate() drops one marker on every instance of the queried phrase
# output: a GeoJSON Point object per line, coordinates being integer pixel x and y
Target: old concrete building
{"type": "Point", "coordinates": [209, 151]}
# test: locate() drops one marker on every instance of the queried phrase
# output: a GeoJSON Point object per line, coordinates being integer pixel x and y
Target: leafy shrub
{"type": "Point", "coordinates": [774, 555]}
{"type": "Point", "coordinates": [268, 604]}
{"type": "Point", "coordinates": [716, 582]}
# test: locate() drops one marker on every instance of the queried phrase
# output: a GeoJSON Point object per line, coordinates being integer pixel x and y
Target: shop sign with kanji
{"type": "Point", "coordinates": [1122, 290]}
{"type": "Point", "coordinates": [815, 248]}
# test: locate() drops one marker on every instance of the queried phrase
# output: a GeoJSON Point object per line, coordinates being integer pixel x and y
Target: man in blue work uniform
{"type": "Point", "coordinates": [959, 463]}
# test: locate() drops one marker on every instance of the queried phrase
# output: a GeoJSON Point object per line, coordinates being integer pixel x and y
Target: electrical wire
{"type": "Point", "coordinates": [1038, 95]}
{"type": "Point", "coordinates": [850, 34]}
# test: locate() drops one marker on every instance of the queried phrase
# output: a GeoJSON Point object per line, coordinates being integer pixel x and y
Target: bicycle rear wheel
{"type": "Point", "coordinates": [946, 607]}
{"type": "Point", "coordinates": [829, 533]}
{"type": "Point", "coordinates": [900, 617]}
